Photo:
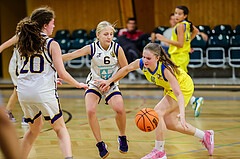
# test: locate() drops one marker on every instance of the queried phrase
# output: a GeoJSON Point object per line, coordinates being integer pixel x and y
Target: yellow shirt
{"type": "Point", "coordinates": [187, 39]}
{"type": "Point", "coordinates": [157, 77]}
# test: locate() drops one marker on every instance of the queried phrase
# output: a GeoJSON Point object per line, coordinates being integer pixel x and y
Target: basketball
{"type": "Point", "coordinates": [146, 119]}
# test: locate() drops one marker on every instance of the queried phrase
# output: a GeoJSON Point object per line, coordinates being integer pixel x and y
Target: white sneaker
{"type": "Point", "coordinates": [131, 76]}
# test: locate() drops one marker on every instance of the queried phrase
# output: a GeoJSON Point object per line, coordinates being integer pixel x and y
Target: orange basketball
{"type": "Point", "coordinates": [146, 119]}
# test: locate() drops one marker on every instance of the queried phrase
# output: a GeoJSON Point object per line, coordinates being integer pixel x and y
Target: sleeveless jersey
{"type": "Point", "coordinates": [187, 39]}
{"type": "Point", "coordinates": [157, 77]}
{"type": "Point", "coordinates": [104, 63]}
{"type": "Point", "coordinates": [37, 77]}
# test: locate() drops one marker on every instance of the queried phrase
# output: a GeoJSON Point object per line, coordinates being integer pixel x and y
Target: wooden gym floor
{"type": "Point", "coordinates": [221, 112]}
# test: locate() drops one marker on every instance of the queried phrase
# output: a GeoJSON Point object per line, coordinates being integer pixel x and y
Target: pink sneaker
{"type": "Point", "coordinates": [156, 154]}
{"type": "Point", "coordinates": [208, 141]}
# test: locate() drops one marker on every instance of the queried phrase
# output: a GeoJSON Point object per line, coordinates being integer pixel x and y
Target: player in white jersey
{"type": "Point", "coordinates": [41, 60]}
{"type": "Point", "coordinates": [107, 56]}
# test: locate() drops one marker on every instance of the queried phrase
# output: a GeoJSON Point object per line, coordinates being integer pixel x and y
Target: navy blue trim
{"type": "Point", "coordinates": [32, 120]}
{"type": "Point", "coordinates": [56, 117]}
{"type": "Point", "coordinates": [185, 26]}
{"type": "Point", "coordinates": [154, 70]}
{"type": "Point", "coordinates": [48, 47]}
{"type": "Point", "coordinates": [95, 92]}
{"type": "Point", "coordinates": [176, 30]}
{"type": "Point", "coordinates": [141, 64]}
{"type": "Point", "coordinates": [162, 70]}
{"type": "Point", "coordinates": [110, 45]}
{"type": "Point", "coordinates": [92, 50]}
{"type": "Point", "coordinates": [116, 52]}
{"type": "Point", "coordinates": [111, 95]}
{"type": "Point", "coordinates": [100, 46]}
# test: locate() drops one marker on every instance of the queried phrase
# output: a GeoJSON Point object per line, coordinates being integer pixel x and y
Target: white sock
{"type": "Point", "coordinates": [159, 145]}
{"type": "Point", "coordinates": [199, 133]}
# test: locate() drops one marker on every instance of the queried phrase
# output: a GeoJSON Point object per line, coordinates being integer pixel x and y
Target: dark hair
{"type": "Point", "coordinates": [132, 18]}
{"type": "Point", "coordinates": [158, 51]}
{"type": "Point", "coordinates": [186, 12]}
{"type": "Point", "coordinates": [29, 31]}
{"type": "Point", "coordinates": [172, 14]}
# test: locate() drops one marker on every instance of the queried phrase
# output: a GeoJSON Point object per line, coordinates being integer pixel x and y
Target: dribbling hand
{"type": "Point", "coordinates": [182, 120]}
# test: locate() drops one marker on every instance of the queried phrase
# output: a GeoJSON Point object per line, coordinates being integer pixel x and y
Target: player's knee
{"type": "Point", "coordinates": [91, 112]}
{"type": "Point", "coordinates": [171, 126]}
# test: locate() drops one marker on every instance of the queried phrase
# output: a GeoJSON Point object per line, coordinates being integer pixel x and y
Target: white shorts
{"type": "Point", "coordinates": [50, 110]}
{"type": "Point", "coordinates": [114, 90]}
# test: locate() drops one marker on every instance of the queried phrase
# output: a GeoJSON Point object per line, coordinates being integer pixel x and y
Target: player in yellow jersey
{"type": "Point", "coordinates": [178, 88]}
{"type": "Point", "coordinates": [180, 46]}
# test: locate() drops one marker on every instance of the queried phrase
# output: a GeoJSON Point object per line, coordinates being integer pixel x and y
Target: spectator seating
{"type": "Point", "coordinates": [79, 43]}
{"type": "Point", "coordinates": [64, 44]}
{"type": "Point", "coordinates": [92, 34]}
{"type": "Point", "coordinates": [77, 62]}
{"type": "Point", "coordinates": [196, 58]}
{"type": "Point", "coordinates": [79, 33]}
{"type": "Point", "coordinates": [215, 53]}
{"type": "Point", "coordinates": [237, 30]}
{"type": "Point", "coordinates": [62, 34]}
{"type": "Point", "coordinates": [222, 29]}
{"type": "Point", "coordinates": [198, 42]}
{"type": "Point", "coordinates": [205, 29]}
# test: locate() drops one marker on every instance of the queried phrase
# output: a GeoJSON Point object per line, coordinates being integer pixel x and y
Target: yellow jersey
{"type": "Point", "coordinates": [157, 77]}
{"type": "Point", "coordinates": [187, 39]}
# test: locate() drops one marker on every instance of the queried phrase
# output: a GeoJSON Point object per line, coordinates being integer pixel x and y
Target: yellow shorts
{"type": "Point", "coordinates": [181, 59]}
{"type": "Point", "coordinates": [187, 88]}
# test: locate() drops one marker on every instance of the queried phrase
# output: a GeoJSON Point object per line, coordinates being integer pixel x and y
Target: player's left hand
{"type": "Point", "coordinates": [191, 50]}
{"type": "Point", "coordinates": [59, 81]}
{"type": "Point", "coordinates": [182, 120]}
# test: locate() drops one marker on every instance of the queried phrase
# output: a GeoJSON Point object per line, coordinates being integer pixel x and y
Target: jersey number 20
{"type": "Point", "coordinates": [30, 61]}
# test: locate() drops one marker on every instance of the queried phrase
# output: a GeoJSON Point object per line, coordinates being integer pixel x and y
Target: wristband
{"type": "Point", "coordinates": [111, 84]}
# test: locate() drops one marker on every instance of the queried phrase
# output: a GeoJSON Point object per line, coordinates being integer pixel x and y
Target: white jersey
{"type": "Point", "coordinates": [14, 66]}
{"type": "Point", "coordinates": [37, 77]}
{"type": "Point", "coordinates": [104, 63]}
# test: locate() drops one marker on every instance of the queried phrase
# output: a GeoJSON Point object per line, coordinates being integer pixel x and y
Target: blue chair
{"type": "Point", "coordinates": [196, 58]}
{"type": "Point", "coordinates": [62, 34]}
{"type": "Point", "coordinates": [222, 29]}
{"type": "Point", "coordinates": [92, 34]}
{"type": "Point", "coordinates": [215, 57]}
{"type": "Point", "coordinates": [205, 29]}
{"type": "Point", "coordinates": [198, 42]}
{"type": "Point", "coordinates": [235, 40]}
{"type": "Point", "coordinates": [237, 30]}
{"type": "Point", "coordinates": [79, 43]}
{"type": "Point", "coordinates": [79, 33]}
{"type": "Point", "coordinates": [77, 62]}
{"type": "Point", "coordinates": [234, 59]}
{"type": "Point", "coordinates": [219, 41]}
{"type": "Point", "coordinates": [64, 44]}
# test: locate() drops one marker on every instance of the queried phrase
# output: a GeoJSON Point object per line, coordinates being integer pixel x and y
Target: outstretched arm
{"type": "Point", "coordinates": [8, 43]}
{"type": "Point", "coordinates": [119, 75]}
{"type": "Point", "coordinates": [78, 53]}
{"type": "Point", "coordinates": [58, 63]}
{"type": "Point", "coordinates": [194, 32]}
